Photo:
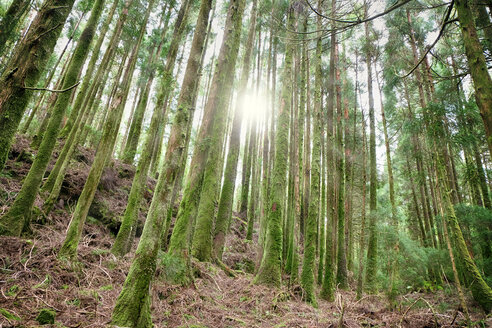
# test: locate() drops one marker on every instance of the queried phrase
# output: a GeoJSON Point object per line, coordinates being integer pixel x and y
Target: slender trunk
{"type": "Point", "coordinates": [308, 263]}
{"type": "Point", "coordinates": [12, 18]}
{"type": "Point", "coordinates": [478, 67]}
{"type": "Point", "coordinates": [269, 272]}
{"type": "Point", "coordinates": [134, 131]}
{"type": "Point", "coordinates": [327, 289]}
{"type": "Point", "coordinates": [362, 236]}
{"type": "Point", "coordinates": [133, 304]}
{"type": "Point", "coordinates": [217, 103]}
{"type": "Point", "coordinates": [19, 215]}
{"type": "Point", "coordinates": [228, 187]}
{"type": "Point", "coordinates": [342, 251]}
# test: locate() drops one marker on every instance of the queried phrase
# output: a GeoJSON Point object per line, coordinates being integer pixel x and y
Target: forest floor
{"type": "Point", "coordinates": [32, 279]}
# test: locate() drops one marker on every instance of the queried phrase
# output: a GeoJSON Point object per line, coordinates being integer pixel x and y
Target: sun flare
{"type": "Point", "coordinates": [254, 106]}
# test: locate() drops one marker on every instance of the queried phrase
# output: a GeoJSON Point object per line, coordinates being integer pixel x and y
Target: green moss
{"type": "Point", "coordinates": [8, 315]}
{"type": "Point", "coordinates": [270, 268]}
{"type": "Point", "coordinates": [176, 269]}
{"type": "Point", "coordinates": [46, 316]}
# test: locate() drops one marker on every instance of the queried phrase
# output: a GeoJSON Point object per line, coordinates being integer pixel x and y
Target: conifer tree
{"type": "Point", "coordinates": [269, 272]}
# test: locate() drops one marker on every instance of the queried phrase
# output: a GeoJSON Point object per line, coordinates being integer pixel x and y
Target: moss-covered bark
{"type": "Point", "coordinates": [372, 246]}
{"type": "Point", "coordinates": [228, 186]}
{"type": "Point", "coordinates": [12, 18]}
{"type": "Point", "coordinates": [311, 224]}
{"type": "Point", "coordinates": [391, 183]}
{"type": "Point", "coordinates": [270, 268]}
{"type": "Point", "coordinates": [482, 81]}
{"type": "Point", "coordinates": [482, 293]}
{"type": "Point", "coordinates": [19, 213]}
{"type": "Point", "coordinates": [219, 97]}
{"type": "Point", "coordinates": [134, 132]}
{"type": "Point", "coordinates": [26, 66]}
{"type": "Point", "coordinates": [362, 235]}
{"type": "Point", "coordinates": [104, 152]}
{"type": "Point", "coordinates": [328, 286]}
{"type": "Point", "coordinates": [176, 262]}
{"type": "Point", "coordinates": [84, 87]}
{"type": "Point", "coordinates": [74, 130]}
{"type": "Point", "coordinates": [342, 279]}
{"type": "Point", "coordinates": [246, 172]}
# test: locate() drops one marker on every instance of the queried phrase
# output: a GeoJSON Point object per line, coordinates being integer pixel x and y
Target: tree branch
{"type": "Point", "coordinates": [445, 22]}
{"type": "Point", "coordinates": [50, 90]}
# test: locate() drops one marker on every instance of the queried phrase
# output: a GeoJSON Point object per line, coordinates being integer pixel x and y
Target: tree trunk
{"type": "Point", "coordinates": [478, 67]}
{"type": "Point", "coordinates": [269, 272]}
{"type": "Point", "coordinates": [126, 233]}
{"type": "Point", "coordinates": [217, 103]}
{"type": "Point", "coordinates": [10, 21]}
{"type": "Point", "coordinates": [228, 187]}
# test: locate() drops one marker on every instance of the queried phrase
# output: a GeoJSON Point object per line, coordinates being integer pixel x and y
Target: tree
{"type": "Point", "coordinates": [270, 268]}
{"type": "Point", "coordinates": [226, 196]}
{"type": "Point", "coordinates": [478, 68]}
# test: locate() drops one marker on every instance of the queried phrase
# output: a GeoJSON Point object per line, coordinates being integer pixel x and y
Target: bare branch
{"type": "Point", "coordinates": [445, 22]}
{"type": "Point", "coordinates": [50, 90]}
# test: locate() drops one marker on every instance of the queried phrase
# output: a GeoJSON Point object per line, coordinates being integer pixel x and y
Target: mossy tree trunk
{"type": "Point", "coordinates": [10, 21]}
{"type": "Point", "coordinates": [228, 187]}
{"type": "Point", "coordinates": [246, 173]}
{"type": "Point", "coordinates": [104, 152]}
{"type": "Point", "coordinates": [362, 235]}
{"type": "Point", "coordinates": [177, 259]}
{"type": "Point", "coordinates": [135, 129]}
{"type": "Point", "coordinates": [53, 184]}
{"type": "Point", "coordinates": [19, 214]}
{"type": "Point", "coordinates": [218, 98]}
{"type": "Point", "coordinates": [372, 246]}
{"type": "Point", "coordinates": [132, 307]}
{"type": "Point", "coordinates": [327, 288]}
{"type": "Point", "coordinates": [482, 81]}
{"type": "Point", "coordinates": [26, 66]}
{"type": "Point", "coordinates": [308, 263]}
{"type": "Point", "coordinates": [342, 279]}
{"type": "Point", "coordinates": [76, 112]}
{"type": "Point", "coordinates": [269, 272]}
{"type": "Point", "coordinates": [391, 184]}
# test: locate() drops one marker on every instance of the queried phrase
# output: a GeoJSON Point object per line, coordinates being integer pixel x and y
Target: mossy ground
{"type": "Point", "coordinates": [33, 279]}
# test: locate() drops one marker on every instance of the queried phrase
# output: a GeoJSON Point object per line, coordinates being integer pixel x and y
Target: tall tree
{"type": "Point", "coordinates": [478, 67]}
{"type": "Point", "coordinates": [269, 272]}
{"type": "Point", "coordinates": [126, 233]}
{"type": "Point", "coordinates": [227, 193]}
{"type": "Point", "coordinates": [372, 246]}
